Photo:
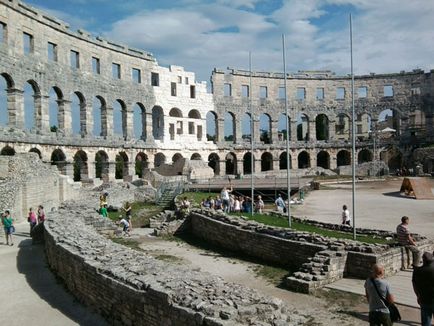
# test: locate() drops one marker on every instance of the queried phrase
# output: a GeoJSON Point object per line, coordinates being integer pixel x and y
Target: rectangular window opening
{"type": "Point", "coordinates": [116, 70]}
{"type": "Point", "coordinates": [75, 59]}
{"type": "Point", "coordinates": [191, 128]}
{"type": "Point", "coordinates": [227, 89]}
{"type": "Point", "coordinates": [52, 51]}
{"type": "Point", "coordinates": [186, 80]}
{"type": "Point", "coordinates": [362, 92]}
{"type": "Point", "coordinates": [245, 92]}
{"type": "Point", "coordinates": [27, 43]}
{"type": "Point", "coordinates": [96, 68]}
{"type": "Point", "coordinates": [263, 92]}
{"type": "Point", "coordinates": [173, 89]}
{"type": "Point", "coordinates": [301, 93]}
{"type": "Point", "coordinates": [179, 79]}
{"type": "Point", "coordinates": [388, 91]}
{"type": "Point", "coordinates": [136, 74]}
{"type": "Point", "coordinates": [320, 93]}
{"type": "Point", "coordinates": [340, 93]}
{"type": "Point", "coordinates": [155, 79]}
{"type": "Point", "coordinates": [192, 91]}
{"type": "Point", "coordinates": [3, 32]}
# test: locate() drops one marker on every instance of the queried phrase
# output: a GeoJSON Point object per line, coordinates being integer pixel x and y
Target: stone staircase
{"type": "Point", "coordinates": [325, 267]}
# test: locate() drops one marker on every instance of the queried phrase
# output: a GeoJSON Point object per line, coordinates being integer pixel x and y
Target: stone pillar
{"type": "Point", "coordinates": [293, 130]}
{"type": "Point", "coordinates": [256, 132]}
{"type": "Point", "coordinates": [220, 130]}
{"type": "Point", "coordinates": [64, 116]}
{"type": "Point", "coordinates": [88, 123]}
{"type": "Point", "coordinates": [257, 165]}
{"type": "Point", "coordinates": [312, 159]}
{"type": "Point", "coordinates": [240, 166]}
{"type": "Point", "coordinates": [111, 171]}
{"type": "Point", "coordinates": [91, 170]}
{"type": "Point", "coordinates": [274, 131]}
{"type": "Point", "coordinates": [276, 164]}
{"type": "Point", "coordinates": [294, 161]}
{"type": "Point", "coordinates": [312, 130]}
{"type": "Point", "coordinates": [15, 107]}
{"type": "Point", "coordinates": [222, 167]}
{"type": "Point", "coordinates": [148, 131]}
{"type": "Point", "coordinates": [332, 129]}
{"type": "Point", "coordinates": [109, 121]}
{"type": "Point", "coordinates": [69, 169]}
{"type": "Point", "coordinates": [129, 124]}
{"type": "Point", "coordinates": [41, 114]}
{"type": "Point", "coordinates": [333, 162]}
{"type": "Point", "coordinates": [238, 132]}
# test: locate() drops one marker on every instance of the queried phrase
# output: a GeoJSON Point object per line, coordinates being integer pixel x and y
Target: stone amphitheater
{"type": "Point", "coordinates": [94, 112]}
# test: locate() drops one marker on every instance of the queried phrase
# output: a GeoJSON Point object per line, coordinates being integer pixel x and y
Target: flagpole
{"type": "Point", "coordinates": [353, 166]}
{"type": "Point", "coordinates": [288, 162]}
{"type": "Point", "coordinates": [252, 160]}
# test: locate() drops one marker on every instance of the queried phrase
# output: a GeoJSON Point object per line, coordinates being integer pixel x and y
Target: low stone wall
{"type": "Point", "coordinates": [130, 288]}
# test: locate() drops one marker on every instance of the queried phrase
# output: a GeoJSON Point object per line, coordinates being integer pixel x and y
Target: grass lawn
{"type": "Point", "coordinates": [141, 213]}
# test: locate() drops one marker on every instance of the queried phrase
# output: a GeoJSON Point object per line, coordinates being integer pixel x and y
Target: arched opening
{"type": "Point", "coordinates": [323, 160]}
{"type": "Point", "coordinates": [229, 127]}
{"type": "Point", "coordinates": [141, 164]}
{"type": "Point", "coordinates": [80, 166]}
{"type": "Point", "coordinates": [214, 163]}
{"type": "Point", "coordinates": [99, 114]}
{"type": "Point", "coordinates": [303, 160]}
{"type": "Point", "coordinates": [176, 157]}
{"type": "Point", "coordinates": [175, 112]}
{"type": "Point", "coordinates": [157, 122]}
{"type": "Point", "coordinates": [159, 159]}
{"type": "Point", "coordinates": [196, 156]}
{"type": "Point", "coordinates": [121, 165]}
{"type": "Point", "coordinates": [6, 83]}
{"type": "Point", "coordinates": [393, 158]}
{"type": "Point", "coordinates": [342, 126]}
{"type": "Point", "coordinates": [58, 158]}
{"type": "Point", "coordinates": [37, 151]}
{"type": "Point", "coordinates": [31, 93]}
{"type": "Point", "coordinates": [231, 163]}
{"type": "Point", "coordinates": [7, 151]}
{"type": "Point", "coordinates": [139, 121]}
{"type": "Point", "coordinates": [246, 127]}
{"type": "Point", "coordinates": [390, 118]}
{"type": "Point", "coordinates": [55, 96]}
{"type": "Point", "coordinates": [343, 158]}
{"type": "Point", "coordinates": [120, 118]}
{"type": "Point", "coordinates": [247, 163]}
{"type": "Point", "coordinates": [265, 128]}
{"type": "Point", "coordinates": [282, 134]}
{"type": "Point", "coordinates": [266, 162]}
{"type": "Point", "coordinates": [283, 161]}
{"type": "Point", "coordinates": [365, 155]}
{"type": "Point", "coordinates": [194, 114]}
{"type": "Point", "coordinates": [101, 165]}
{"type": "Point", "coordinates": [302, 127]}
{"type": "Point", "coordinates": [322, 127]}
{"type": "Point", "coordinates": [78, 114]}
{"type": "Point", "coordinates": [211, 127]}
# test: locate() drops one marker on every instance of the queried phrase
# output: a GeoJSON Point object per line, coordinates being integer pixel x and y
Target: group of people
{"type": "Point", "coordinates": [124, 221]}
{"type": "Point", "coordinates": [35, 218]}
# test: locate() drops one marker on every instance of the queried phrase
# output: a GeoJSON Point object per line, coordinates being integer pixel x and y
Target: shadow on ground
{"type": "Point", "coordinates": [396, 194]}
{"type": "Point", "coordinates": [32, 263]}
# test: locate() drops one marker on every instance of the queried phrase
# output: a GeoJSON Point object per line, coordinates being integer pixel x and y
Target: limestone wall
{"type": "Point", "coordinates": [128, 287]}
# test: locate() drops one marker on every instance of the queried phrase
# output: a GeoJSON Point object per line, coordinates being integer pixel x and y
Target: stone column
{"type": "Point", "coordinates": [240, 166]}
{"type": "Point", "coordinates": [147, 130]}
{"type": "Point", "coordinates": [88, 122]}
{"type": "Point", "coordinates": [109, 121]}
{"type": "Point", "coordinates": [312, 130]}
{"type": "Point", "coordinates": [276, 164]}
{"type": "Point", "coordinates": [312, 159]}
{"type": "Point", "coordinates": [129, 124]}
{"type": "Point", "coordinates": [111, 171]}
{"type": "Point", "coordinates": [333, 162]}
{"type": "Point", "coordinates": [256, 132]}
{"type": "Point", "coordinates": [274, 131]}
{"type": "Point", "coordinates": [294, 161]}
{"type": "Point", "coordinates": [257, 165]}
{"type": "Point", "coordinates": [220, 130]}
{"type": "Point", "coordinates": [64, 116]}
{"type": "Point", "coordinates": [15, 107]}
{"type": "Point", "coordinates": [222, 167]}
{"type": "Point", "coordinates": [238, 136]}
{"type": "Point", "coordinates": [91, 170]}
{"type": "Point", "coordinates": [69, 169]}
{"type": "Point", "coordinates": [293, 130]}
{"type": "Point", "coordinates": [332, 129]}
{"type": "Point", "coordinates": [41, 114]}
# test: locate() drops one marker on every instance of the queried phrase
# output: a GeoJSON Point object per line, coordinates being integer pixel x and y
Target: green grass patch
{"type": "Point", "coordinates": [141, 213]}
{"type": "Point", "coordinates": [197, 197]}
{"type": "Point", "coordinates": [130, 243]}
{"type": "Point", "coordinates": [274, 275]}
{"type": "Point", "coordinates": [170, 258]}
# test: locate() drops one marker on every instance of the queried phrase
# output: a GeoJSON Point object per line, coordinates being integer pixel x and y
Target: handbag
{"type": "Point", "coordinates": [393, 309]}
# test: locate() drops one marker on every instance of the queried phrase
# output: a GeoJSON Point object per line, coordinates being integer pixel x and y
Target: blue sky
{"type": "Point", "coordinates": [389, 35]}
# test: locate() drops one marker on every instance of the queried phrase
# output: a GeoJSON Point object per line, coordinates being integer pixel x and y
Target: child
{"type": "Point", "coordinates": [103, 211]}
{"type": "Point", "coordinates": [125, 226]}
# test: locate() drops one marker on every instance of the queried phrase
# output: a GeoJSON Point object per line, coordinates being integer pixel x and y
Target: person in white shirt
{"type": "Point", "coordinates": [345, 215]}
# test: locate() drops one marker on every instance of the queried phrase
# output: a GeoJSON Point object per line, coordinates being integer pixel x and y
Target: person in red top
{"type": "Point", "coordinates": [41, 214]}
{"type": "Point", "coordinates": [405, 239]}
{"type": "Point", "coordinates": [31, 218]}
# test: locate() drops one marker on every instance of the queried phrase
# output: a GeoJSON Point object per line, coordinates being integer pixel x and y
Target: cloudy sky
{"type": "Point", "coordinates": [389, 35]}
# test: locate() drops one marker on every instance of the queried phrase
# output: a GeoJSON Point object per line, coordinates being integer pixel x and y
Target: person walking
{"type": "Point", "coordinates": [41, 214]}
{"type": "Point", "coordinates": [280, 204]}
{"type": "Point", "coordinates": [8, 225]}
{"type": "Point", "coordinates": [423, 286]}
{"type": "Point", "coordinates": [375, 289]}
{"type": "Point", "coordinates": [128, 210]}
{"type": "Point", "coordinates": [406, 240]}
{"type": "Point", "coordinates": [345, 215]}
{"type": "Point", "coordinates": [31, 218]}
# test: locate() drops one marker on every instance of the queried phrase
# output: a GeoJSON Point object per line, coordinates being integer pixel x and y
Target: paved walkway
{"type": "Point", "coordinates": [30, 294]}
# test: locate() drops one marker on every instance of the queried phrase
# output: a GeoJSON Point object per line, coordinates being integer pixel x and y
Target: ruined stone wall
{"type": "Point", "coordinates": [128, 287]}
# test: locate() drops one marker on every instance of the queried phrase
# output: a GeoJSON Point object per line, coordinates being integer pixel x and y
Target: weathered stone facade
{"type": "Point", "coordinates": [110, 104]}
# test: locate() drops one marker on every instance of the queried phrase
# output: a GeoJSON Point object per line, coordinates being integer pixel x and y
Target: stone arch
{"type": "Point", "coordinates": [141, 164]}
{"type": "Point", "coordinates": [231, 163]}
{"type": "Point", "coordinates": [246, 127]}
{"type": "Point", "coordinates": [58, 159]}
{"type": "Point", "coordinates": [342, 126]}
{"type": "Point", "coordinates": [37, 151]}
{"type": "Point", "coordinates": [54, 112]}
{"type": "Point", "coordinates": [139, 121]}
{"type": "Point", "coordinates": [157, 122]}
{"type": "Point", "coordinates": [247, 163]}
{"type": "Point", "coordinates": [283, 161]}
{"type": "Point", "coordinates": [323, 159]}
{"type": "Point", "coordinates": [175, 112]}
{"type": "Point", "coordinates": [211, 126]}
{"type": "Point", "coordinates": [194, 114]}
{"type": "Point", "coordinates": [392, 156]}
{"type": "Point", "coordinates": [365, 155]}
{"type": "Point", "coordinates": [78, 114]}
{"type": "Point", "coordinates": [159, 159]}
{"type": "Point", "coordinates": [5, 85]}
{"type": "Point", "coordinates": [101, 165]}
{"type": "Point", "coordinates": [229, 127]}
{"type": "Point", "coordinates": [99, 113]}
{"type": "Point", "coordinates": [303, 160]}
{"type": "Point", "coordinates": [176, 157]}
{"type": "Point", "coordinates": [389, 118]}
{"type": "Point", "coordinates": [266, 162]}
{"type": "Point", "coordinates": [214, 163]}
{"type": "Point", "coordinates": [282, 134]}
{"type": "Point", "coordinates": [120, 118]}
{"type": "Point", "coordinates": [302, 127]}
{"type": "Point", "coordinates": [196, 157]}
{"type": "Point", "coordinates": [121, 165]}
{"type": "Point", "coordinates": [7, 151]}
{"type": "Point", "coordinates": [322, 127]}
{"type": "Point", "coordinates": [9, 80]}
{"type": "Point", "coordinates": [343, 158]}
{"type": "Point", "coordinates": [80, 166]}
{"type": "Point", "coordinates": [265, 128]}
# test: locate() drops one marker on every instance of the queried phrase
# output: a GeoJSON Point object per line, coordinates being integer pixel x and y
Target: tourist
{"type": "Point", "coordinates": [231, 203]}
{"type": "Point", "coordinates": [125, 226]}
{"type": "Point", "coordinates": [103, 211]}
{"type": "Point", "coordinates": [32, 219]}
{"type": "Point", "coordinates": [206, 203]}
{"type": "Point", "coordinates": [127, 208]}
{"type": "Point", "coordinates": [345, 215]}
{"type": "Point", "coordinates": [103, 199]}
{"type": "Point", "coordinates": [211, 202]}
{"type": "Point", "coordinates": [218, 203]}
{"type": "Point", "coordinates": [259, 205]}
{"type": "Point", "coordinates": [247, 205]}
{"type": "Point", "coordinates": [41, 214]}
{"type": "Point", "coordinates": [184, 208]}
{"type": "Point", "coordinates": [280, 204]}
{"type": "Point", "coordinates": [237, 205]}
{"type": "Point", "coordinates": [377, 292]}
{"type": "Point", "coordinates": [405, 239]}
{"type": "Point", "coordinates": [224, 194]}
{"type": "Point", "coordinates": [423, 285]}
{"type": "Point", "coordinates": [8, 225]}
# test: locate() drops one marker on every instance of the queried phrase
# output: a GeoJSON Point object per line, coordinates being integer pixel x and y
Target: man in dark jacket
{"type": "Point", "coordinates": [423, 285]}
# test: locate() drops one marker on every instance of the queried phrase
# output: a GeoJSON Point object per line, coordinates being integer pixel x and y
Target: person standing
{"type": "Point", "coordinates": [423, 286]}
{"type": "Point", "coordinates": [375, 289]}
{"type": "Point", "coordinates": [224, 194]}
{"type": "Point", "coordinates": [345, 215]}
{"type": "Point", "coordinates": [103, 211]}
{"type": "Point", "coordinates": [280, 204]}
{"type": "Point", "coordinates": [8, 225]}
{"type": "Point", "coordinates": [406, 240]}
{"type": "Point", "coordinates": [127, 208]}
{"type": "Point", "coordinates": [259, 205]}
{"type": "Point", "coordinates": [31, 218]}
{"type": "Point", "coordinates": [41, 214]}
